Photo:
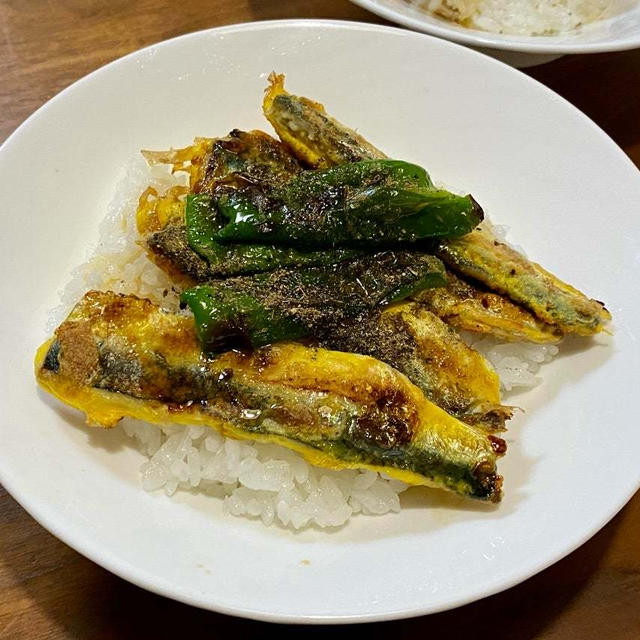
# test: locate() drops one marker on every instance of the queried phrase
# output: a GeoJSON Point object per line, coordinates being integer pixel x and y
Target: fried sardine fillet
{"type": "Point", "coordinates": [117, 356]}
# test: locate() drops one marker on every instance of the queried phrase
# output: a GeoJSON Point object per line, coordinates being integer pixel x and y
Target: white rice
{"type": "Point", "coordinates": [516, 363]}
{"type": "Point", "coordinates": [521, 17]}
{"type": "Point", "coordinates": [118, 263]}
{"type": "Point", "coordinates": [254, 480]}
{"type": "Point", "coordinates": [258, 480]}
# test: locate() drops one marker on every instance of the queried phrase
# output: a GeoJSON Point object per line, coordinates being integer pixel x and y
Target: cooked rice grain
{"type": "Point", "coordinates": [258, 480]}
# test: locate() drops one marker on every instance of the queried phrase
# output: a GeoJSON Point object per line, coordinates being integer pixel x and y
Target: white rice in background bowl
{"type": "Point", "coordinates": [255, 480]}
{"type": "Point", "coordinates": [521, 17]}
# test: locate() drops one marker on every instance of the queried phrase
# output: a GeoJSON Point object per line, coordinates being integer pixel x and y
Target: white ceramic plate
{"type": "Point", "coordinates": [536, 163]}
{"type": "Point", "coordinates": [617, 33]}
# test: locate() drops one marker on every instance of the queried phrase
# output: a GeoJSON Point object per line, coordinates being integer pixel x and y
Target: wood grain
{"type": "Point", "coordinates": [49, 591]}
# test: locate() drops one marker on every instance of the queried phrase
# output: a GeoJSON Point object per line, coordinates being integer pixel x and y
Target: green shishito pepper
{"type": "Point", "coordinates": [366, 203]}
{"type": "Point", "coordinates": [251, 311]}
{"type": "Point", "coordinates": [203, 224]}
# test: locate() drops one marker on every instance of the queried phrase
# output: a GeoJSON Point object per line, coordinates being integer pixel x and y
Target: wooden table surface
{"type": "Point", "coordinates": [49, 591]}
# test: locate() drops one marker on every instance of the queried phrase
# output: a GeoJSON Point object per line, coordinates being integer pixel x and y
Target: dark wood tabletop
{"type": "Point", "coordinates": [47, 590]}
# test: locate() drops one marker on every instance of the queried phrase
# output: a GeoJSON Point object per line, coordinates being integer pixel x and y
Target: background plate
{"type": "Point", "coordinates": [617, 33]}
{"type": "Point", "coordinates": [535, 163]}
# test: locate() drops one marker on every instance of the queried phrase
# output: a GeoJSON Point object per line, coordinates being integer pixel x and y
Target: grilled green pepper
{"type": "Point", "coordinates": [179, 234]}
{"type": "Point", "coordinates": [290, 304]}
{"type": "Point", "coordinates": [367, 203]}
{"type": "Point", "coordinates": [203, 223]}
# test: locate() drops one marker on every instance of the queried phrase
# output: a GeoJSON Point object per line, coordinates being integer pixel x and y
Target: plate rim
{"type": "Point", "coordinates": [141, 578]}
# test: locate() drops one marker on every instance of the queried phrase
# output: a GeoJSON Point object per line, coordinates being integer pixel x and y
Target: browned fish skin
{"type": "Point", "coordinates": [243, 158]}
{"type": "Point", "coordinates": [314, 137]}
{"type": "Point", "coordinates": [238, 159]}
{"type": "Point", "coordinates": [468, 308]}
{"type": "Point", "coordinates": [432, 355]}
{"type": "Point", "coordinates": [169, 249]}
{"type": "Point", "coordinates": [481, 256]}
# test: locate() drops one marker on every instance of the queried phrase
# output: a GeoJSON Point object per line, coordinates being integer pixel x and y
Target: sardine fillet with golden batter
{"type": "Point", "coordinates": [434, 357]}
{"type": "Point", "coordinates": [482, 256]}
{"type": "Point", "coordinates": [117, 356]}
{"type": "Point", "coordinates": [468, 308]}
